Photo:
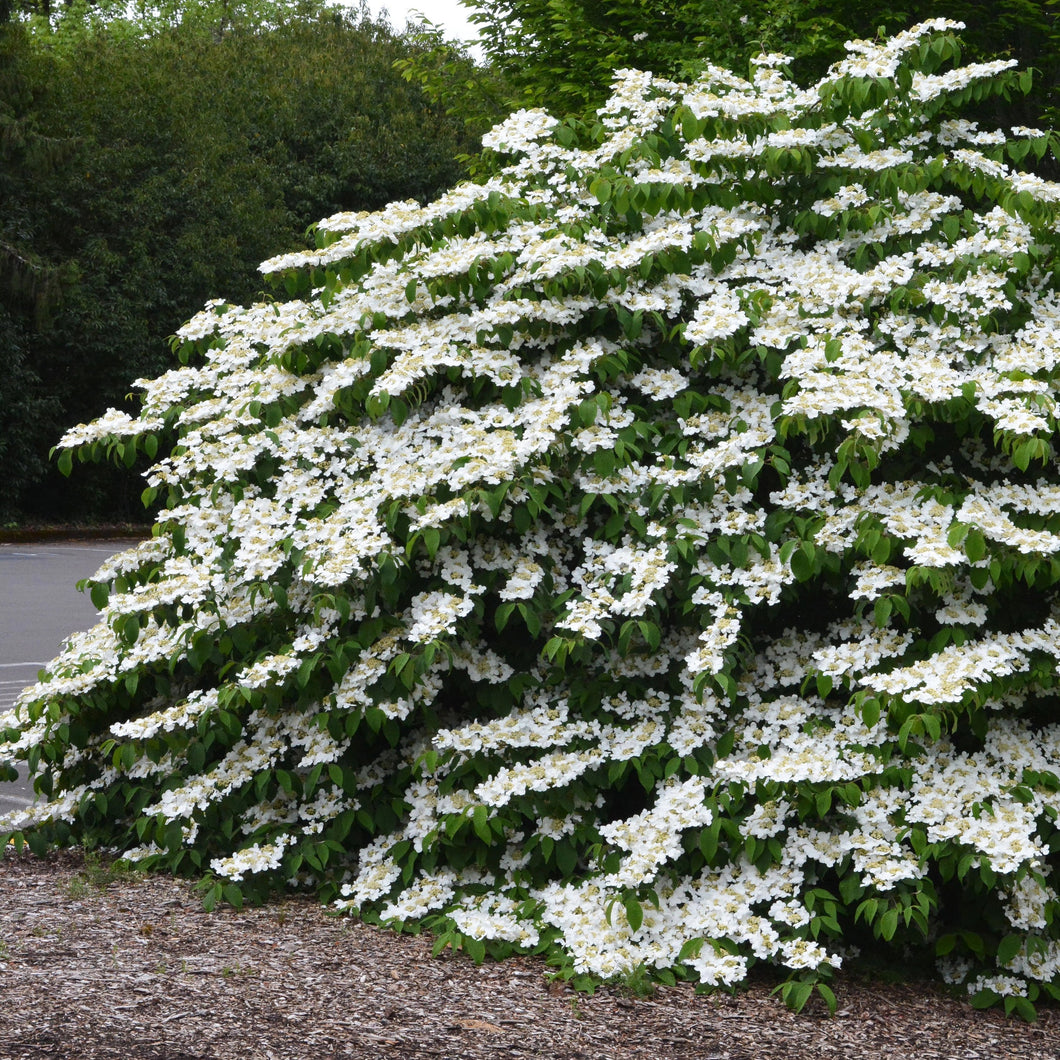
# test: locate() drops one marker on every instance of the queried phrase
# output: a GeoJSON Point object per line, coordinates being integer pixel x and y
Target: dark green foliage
{"type": "Point", "coordinates": [560, 54]}
{"type": "Point", "coordinates": [141, 175]}
{"type": "Point", "coordinates": [26, 412]}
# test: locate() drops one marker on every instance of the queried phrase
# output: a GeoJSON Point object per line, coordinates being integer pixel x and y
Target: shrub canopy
{"type": "Point", "coordinates": [647, 556]}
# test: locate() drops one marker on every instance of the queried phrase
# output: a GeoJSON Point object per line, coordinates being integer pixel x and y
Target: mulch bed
{"type": "Point", "coordinates": [100, 964]}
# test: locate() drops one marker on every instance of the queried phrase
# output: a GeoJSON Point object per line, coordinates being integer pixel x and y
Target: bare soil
{"type": "Point", "coordinates": [99, 964]}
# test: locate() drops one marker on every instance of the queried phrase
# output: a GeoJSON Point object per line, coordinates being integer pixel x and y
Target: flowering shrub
{"type": "Point", "coordinates": [648, 557]}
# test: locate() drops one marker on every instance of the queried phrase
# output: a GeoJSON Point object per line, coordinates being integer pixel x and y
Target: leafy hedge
{"type": "Point", "coordinates": [648, 556]}
{"type": "Point", "coordinates": [560, 54]}
{"type": "Point", "coordinates": [144, 167]}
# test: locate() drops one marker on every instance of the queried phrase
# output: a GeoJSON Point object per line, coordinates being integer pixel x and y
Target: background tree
{"type": "Point", "coordinates": [560, 54]}
{"type": "Point", "coordinates": [190, 143]}
{"type": "Point", "coordinates": [31, 287]}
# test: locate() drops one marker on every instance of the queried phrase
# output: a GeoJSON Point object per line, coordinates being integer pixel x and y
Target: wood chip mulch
{"type": "Point", "coordinates": [110, 966]}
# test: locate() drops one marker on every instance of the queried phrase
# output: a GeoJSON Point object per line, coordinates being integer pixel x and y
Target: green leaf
{"type": "Point", "coordinates": [531, 619]}
{"type": "Point", "coordinates": [1023, 1007]}
{"type": "Point", "coordinates": [887, 925]}
{"type": "Point", "coordinates": [566, 858]}
{"type": "Point", "coordinates": [651, 633]}
{"type": "Point", "coordinates": [480, 823]}
{"type": "Point", "coordinates": [130, 628]}
{"type": "Point", "coordinates": [984, 999]}
{"type": "Point", "coordinates": [802, 562]}
{"type": "Point", "coordinates": [129, 756]}
{"type": "Point", "coordinates": [870, 712]}
{"type": "Point", "coordinates": [211, 898]}
{"type": "Point", "coordinates": [1008, 948]}
{"type": "Point", "coordinates": [829, 997]}
{"type": "Point", "coordinates": [233, 895]}
{"type": "Point", "coordinates": [691, 948]}
{"type": "Point", "coordinates": [867, 910]}
{"type": "Point", "coordinates": [601, 189]}
{"type": "Point", "coordinates": [945, 944]}
{"type": "Point", "coordinates": [634, 912]}
{"type": "Point", "coordinates": [975, 545]}
{"type": "Point", "coordinates": [796, 994]}
{"type": "Point", "coordinates": [474, 948]}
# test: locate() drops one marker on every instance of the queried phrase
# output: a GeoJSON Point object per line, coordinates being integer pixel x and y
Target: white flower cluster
{"type": "Point", "coordinates": [257, 858]}
{"type": "Point", "coordinates": [495, 916]}
{"type": "Point", "coordinates": [654, 836]}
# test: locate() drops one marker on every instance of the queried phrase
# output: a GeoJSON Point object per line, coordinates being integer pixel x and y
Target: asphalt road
{"type": "Point", "coordinates": [39, 607]}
